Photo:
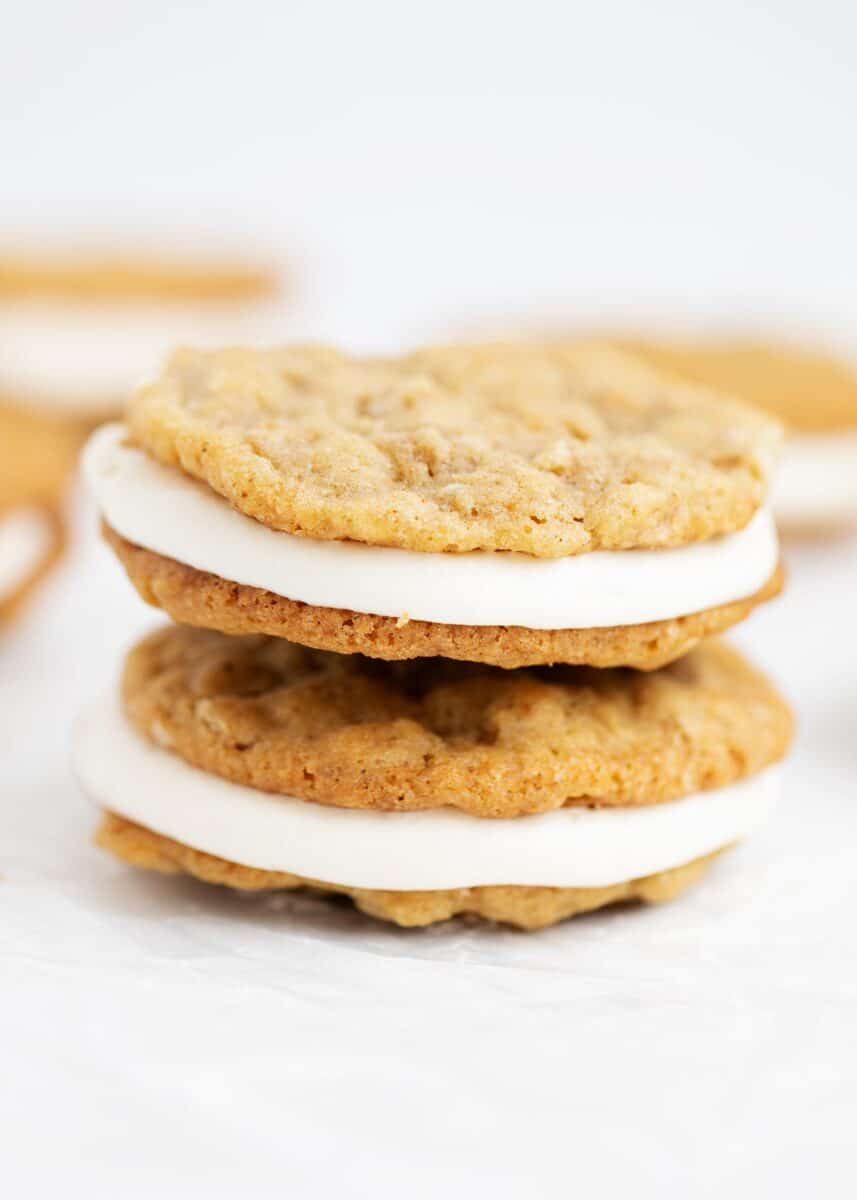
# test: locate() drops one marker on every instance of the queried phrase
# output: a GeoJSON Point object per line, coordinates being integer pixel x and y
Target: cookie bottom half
{"type": "Point", "coordinates": [523, 907]}
{"type": "Point", "coordinates": [193, 597]}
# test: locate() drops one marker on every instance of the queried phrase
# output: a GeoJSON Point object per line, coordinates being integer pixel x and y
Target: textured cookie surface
{"type": "Point", "coordinates": [194, 597]}
{"type": "Point", "coordinates": [547, 450]}
{"type": "Point", "coordinates": [526, 907]}
{"type": "Point", "coordinates": [810, 392]}
{"type": "Point", "coordinates": [360, 733]}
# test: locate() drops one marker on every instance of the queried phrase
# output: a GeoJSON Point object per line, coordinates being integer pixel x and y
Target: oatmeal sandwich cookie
{"type": "Point", "coordinates": [80, 329]}
{"type": "Point", "coordinates": [502, 504]}
{"type": "Point", "coordinates": [430, 788]}
{"type": "Point", "coordinates": [813, 393]}
{"type": "Point", "coordinates": [33, 472]}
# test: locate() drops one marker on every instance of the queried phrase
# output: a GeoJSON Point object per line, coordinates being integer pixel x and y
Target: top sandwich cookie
{"type": "Point", "coordinates": [506, 504]}
{"type": "Point", "coordinates": [431, 788]}
{"type": "Point", "coordinates": [813, 393]}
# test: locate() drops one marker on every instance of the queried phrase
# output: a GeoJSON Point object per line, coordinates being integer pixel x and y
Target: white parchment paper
{"type": "Point", "coordinates": [158, 1034]}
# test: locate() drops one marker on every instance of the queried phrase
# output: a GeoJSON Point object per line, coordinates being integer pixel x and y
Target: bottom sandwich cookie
{"type": "Point", "coordinates": [430, 788]}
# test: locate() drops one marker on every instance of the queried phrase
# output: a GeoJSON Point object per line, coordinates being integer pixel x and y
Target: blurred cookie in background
{"type": "Point", "coordinates": [36, 460]}
{"type": "Point", "coordinates": [80, 328]}
{"type": "Point", "coordinates": [813, 393]}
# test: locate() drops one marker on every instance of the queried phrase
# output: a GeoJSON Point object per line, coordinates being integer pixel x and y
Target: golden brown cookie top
{"type": "Point", "coordinates": [358, 733]}
{"type": "Point", "coordinates": [808, 390]}
{"type": "Point", "coordinates": [96, 276]}
{"type": "Point", "coordinates": [37, 456]}
{"type": "Point", "coordinates": [547, 450]}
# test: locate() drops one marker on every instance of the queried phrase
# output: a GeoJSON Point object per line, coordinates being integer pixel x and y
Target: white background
{"type": "Point", "coordinates": [430, 168]}
{"type": "Point", "coordinates": [425, 163]}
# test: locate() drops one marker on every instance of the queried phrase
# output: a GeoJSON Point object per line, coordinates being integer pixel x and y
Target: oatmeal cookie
{"type": "Point", "coordinates": [352, 732]}
{"type": "Point", "coordinates": [547, 450]}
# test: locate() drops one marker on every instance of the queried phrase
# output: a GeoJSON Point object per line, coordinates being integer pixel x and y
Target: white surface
{"type": "Point", "coordinates": [574, 847]}
{"type": "Point", "coordinates": [816, 485]}
{"type": "Point", "coordinates": [561, 158]}
{"type": "Point", "coordinates": [701, 1046]}
{"type": "Point", "coordinates": [89, 355]}
{"type": "Point", "coordinates": [168, 512]}
{"type": "Point", "coordinates": [25, 535]}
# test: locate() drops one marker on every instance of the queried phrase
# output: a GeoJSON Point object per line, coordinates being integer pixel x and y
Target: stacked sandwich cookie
{"type": "Point", "coordinates": [407, 595]}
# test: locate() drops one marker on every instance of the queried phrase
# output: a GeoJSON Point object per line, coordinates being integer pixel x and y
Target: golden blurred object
{"type": "Point", "coordinates": [126, 278]}
{"type": "Point", "coordinates": [812, 392]}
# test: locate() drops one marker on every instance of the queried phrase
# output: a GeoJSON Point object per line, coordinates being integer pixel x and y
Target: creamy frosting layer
{"type": "Point", "coordinates": [25, 539]}
{"type": "Point", "coordinates": [178, 517]}
{"type": "Point", "coordinates": [82, 356]}
{"type": "Point", "coordinates": [573, 847]}
{"type": "Point", "coordinates": [817, 480]}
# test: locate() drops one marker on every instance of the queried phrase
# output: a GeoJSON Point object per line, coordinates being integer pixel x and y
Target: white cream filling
{"type": "Point", "coordinates": [572, 847]}
{"type": "Point", "coordinates": [180, 518]}
{"type": "Point", "coordinates": [817, 480]}
{"type": "Point", "coordinates": [82, 356]}
{"type": "Point", "coordinates": [25, 538]}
